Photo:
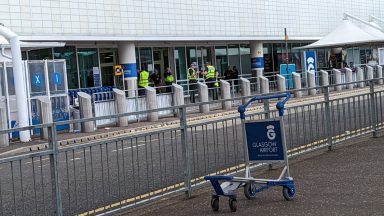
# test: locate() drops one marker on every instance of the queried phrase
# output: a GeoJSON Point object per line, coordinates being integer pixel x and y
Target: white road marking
{"type": "Point", "coordinates": [128, 148]}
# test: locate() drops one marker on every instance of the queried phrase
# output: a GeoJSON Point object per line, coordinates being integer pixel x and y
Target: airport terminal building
{"type": "Point", "coordinates": [95, 35]}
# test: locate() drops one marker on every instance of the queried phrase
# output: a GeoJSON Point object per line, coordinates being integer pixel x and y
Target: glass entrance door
{"type": "Point", "coordinates": [204, 54]}
{"type": "Point", "coordinates": [160, 60]}
{"type": "Point", "coordinates": [107, 61]}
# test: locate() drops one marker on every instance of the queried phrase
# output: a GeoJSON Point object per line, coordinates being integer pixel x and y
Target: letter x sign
{"type": "Point", "coordinates": [37, 79]}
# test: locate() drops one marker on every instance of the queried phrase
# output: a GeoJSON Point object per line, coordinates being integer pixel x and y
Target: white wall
{"type": "Point", "coordinates": [228, 18]}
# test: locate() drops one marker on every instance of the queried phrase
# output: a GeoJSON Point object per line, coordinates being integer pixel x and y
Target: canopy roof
{"type": "Point", "coordinates": [4, 43]}
{"type": "Point", "coordinates": [348, 33]}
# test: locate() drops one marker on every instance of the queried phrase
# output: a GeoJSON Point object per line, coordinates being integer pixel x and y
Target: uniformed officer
{"type": "Point", "coordinates": [143, 81]}
{"type": "Point", "coordinates": [211, 79]}
{"type": "Point", "coordinates": [168, 79]}
{"type": "Point", "coordinates": [192, 80]}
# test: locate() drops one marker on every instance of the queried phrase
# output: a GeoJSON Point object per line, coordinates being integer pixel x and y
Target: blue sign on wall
{"type": "Point", "coordinates": [264, 141]}
{"type": "Point", "coordinates": [310, 61]}
{"type": "Point", "coordinates": [288, 77]}
{"type": "Point", "coordinates": [129, 70]}
{"type": "Point", "coordinates": [56, 78]}
{"type": "Point", "coordinates": [257, 63]}
{"type": "Point", "coordinates": [37, 79]}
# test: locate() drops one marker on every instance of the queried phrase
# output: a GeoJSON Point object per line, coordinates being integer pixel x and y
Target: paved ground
{"type": "Point", "coordinates": [345, 181]}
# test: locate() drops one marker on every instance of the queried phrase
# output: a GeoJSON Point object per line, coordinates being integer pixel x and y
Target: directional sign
{"type": "Point", "coordinates": [37, 79]}
{"type": "Point", "coordinates": [56, 78]}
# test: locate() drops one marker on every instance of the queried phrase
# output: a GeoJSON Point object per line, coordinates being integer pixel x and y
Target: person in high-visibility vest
{"type": "Point", "coordinates": [192, 80]}
{"type": "Point", "coordinates": [168, 79]}
{"type": "Point", "coordinates": [143, 81]}
{"type": "Point", "coordinates": [210, 79]}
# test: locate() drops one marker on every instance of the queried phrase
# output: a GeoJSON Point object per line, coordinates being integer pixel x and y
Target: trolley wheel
{"type": "Point", "coordinates": [215, 203]}
{"type": "Point", "coordinates": [233, 204]}
{"type": "Point", "coordinates": [289, 193]}
{"type": "Point", "coordinates": [250, 190]}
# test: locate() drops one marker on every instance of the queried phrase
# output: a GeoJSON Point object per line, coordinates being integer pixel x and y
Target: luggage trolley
{"type": "Point", "coordinates": [264, 142]}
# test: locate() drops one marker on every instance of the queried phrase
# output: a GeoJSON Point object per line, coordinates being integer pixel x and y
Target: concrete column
{"type": "Point", "coordinates": [369, 72]}
{"type": "Point", "coordinates": [225, 89]}
{"type": "Point", "coordinates": [360, 77]}
{"type": "Point", "coordinates": [4, 139]}
{"type": "Point", "coordinates": [257, 60]}
{"type": "Point", "coordinates": [121, 107]}
{"type": "Point", "coordinates": [311, 83]}
{"type": "Point", "coordinates": [203, 97]}
{"type": "Point", "coordinates": [348, 78]}
{"type": "Point", "coordinates": [245, 88]}
{"type": "Point", "coordinates": [45, 106]}
{"type": "Point", "coordinates": [151, 99]}
{"type": "Point", "coordinates": [380, 74]}
{"type": "Point", "coordinates": [178, 96]}
{"type": "Point", "coordinates": [127, 58]}
{"type": "Point", "coordinates": [281, 84]}
{"type": "Point", "coordinates": [337, 77]}
{"type": "Point", "coordinates": [264, 85]}
{"type": "Point", "coordinates": [324, 78]}
{"type": "Point", "coordinates": [85, 106]}
{"type": "Point", "coordinates": [297, 84]}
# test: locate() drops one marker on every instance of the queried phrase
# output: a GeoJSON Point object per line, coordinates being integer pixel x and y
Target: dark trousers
{"type": "Point", "coordinates": [212, 89]}
{"type": "Point", "coordinates": [169, 87]}
{"type": "Point", "coordinates": [141, 91]}
{"type": "Point", "coordinates": [192, 90]}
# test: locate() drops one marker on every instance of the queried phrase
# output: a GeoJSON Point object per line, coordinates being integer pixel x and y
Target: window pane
{"type": "Point", "coordinates": [191, 56]}
{"type": "Point", "coordinates": [69, 54]}
{"type": "Point", "coordinates": [88, 58]}
{"type": "Point", "coordinates": [40, 54]}
{"type": "Point", "coordinates": [221, 59]}
{"type": "Point", "coordinates": [245, 53]}
{"type": "Point", "coordinates": [268, 63]}
{"type": "Point", "coordinates": [295, 57]}
{"type": "Point", "coordinates": [234, 56]}
{"type": "Point", "coordinates": [146, 59]}
{"type": "Point", "coordinates": [179, 54]}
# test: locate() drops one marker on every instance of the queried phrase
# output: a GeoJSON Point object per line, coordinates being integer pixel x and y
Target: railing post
{"type": "Point", "coordinates": [328, 119]}
{"type": "Point", "coordinates": [54, 160]}
{"type": "Point", "coordinates": [185, 152]}
{"type": "Point", "coordinates": [373, 108]}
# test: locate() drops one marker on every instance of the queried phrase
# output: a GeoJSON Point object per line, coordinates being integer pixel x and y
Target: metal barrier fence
{"type": "Point", "coordinates": [112, 174]}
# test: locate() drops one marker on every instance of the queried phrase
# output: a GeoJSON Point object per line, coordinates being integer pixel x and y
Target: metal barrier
{"type": "Point", "coordinates": [111, 174]}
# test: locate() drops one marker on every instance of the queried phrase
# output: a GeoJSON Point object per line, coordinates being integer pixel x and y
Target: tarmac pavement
{"type": "Point", "coordinates": [345, 181]}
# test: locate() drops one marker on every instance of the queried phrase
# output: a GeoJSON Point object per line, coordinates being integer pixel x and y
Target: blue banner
{"type": "Point", "coordinates": [288, 77]}
{"type": "Point", "coordinates": [257, 63]}
{"type": "Point", "coordinates": [310, 61]}
{"type": "Point", "coordinates": [264, 141]}
{"type": "Point", "coordinates": [129, 70]}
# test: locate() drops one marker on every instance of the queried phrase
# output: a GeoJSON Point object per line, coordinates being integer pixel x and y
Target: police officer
{"type": "Point", "coordinates": [168, 79]}
{"type": "Point", "coordinates": [192, 80]}
{"type": "Point", "coordinates": [143, 81]}
{"type": "Point", "coordinates": [211, 79]}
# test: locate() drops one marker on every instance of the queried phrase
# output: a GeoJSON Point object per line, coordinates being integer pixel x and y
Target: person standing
{"type": "Point", "coordinates": [210, 79]}
{"type": "Point", "coordinates": [143, 81]}
{"type": "Point", "coordinates": [192, 82]}
{"type": "Point", "coordinates": [156, 79]}
{"type": "Point", "coordinates": [235, 76]}
{"type": "Point", "coordinates": [168, 79]}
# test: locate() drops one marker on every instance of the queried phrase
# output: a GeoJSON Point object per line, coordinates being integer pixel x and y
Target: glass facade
{"type": "Point", "coordinates": [180, 63]}
{"type": "Point", "coordinates": [146, 59]}
{"type": "Point", "coordinates": [88, 59]}
{"type": "Point", "coordinates": [221, 59]}
{"type": "Point", "coordinates": [233, 56]}
{"type": "Point", "coordinates": [245, 55]}
{"type": "Point", "coordinates": [108, 58]}
{"type": "Point", "coordinates": [69, 54]}
{"type": "Point", "coordinates": [40, 54]}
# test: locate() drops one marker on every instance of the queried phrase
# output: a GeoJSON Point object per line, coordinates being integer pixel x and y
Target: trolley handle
{"type": "Point", "coordinates": [279, 105]}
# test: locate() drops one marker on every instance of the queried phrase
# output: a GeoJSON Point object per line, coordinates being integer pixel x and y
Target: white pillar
{"type": "Point", "coordinates": [311, 82]}
{"type": "Point", "coordinates": [121, 107]}
{"type": "Point", "coordinates": [281, 84]}
{"type": "Point", "coordinates": [348, 78]}
{"type": "Point", "coordinates": [369, 72]}
{"type": "Point", "coordinates": [264, 85]}
{"type": "Point", "coordinates": [178, 96]}
{"type": "Point", "coordinates": [4, 139]}
{"type": "Point", "coordinates": [151, 99]}
{"type": "Point", "coordinates": [360, 77]}
{"type": "Point", "coordinates": [257, 60]}
{"type": "Point", "coordinates": [127, 58]}
{"type": "Point", "coordinates": [337, 77]}
{"type": "Point", "coordinates": [245, 88]}
{"type": "Point", "coordinates": [45, 106]}
{"type": "Point", "coordinates": [324, 78]}
{"type": "Point", "coordinates": [85, 107]}
{"type": "Point", "coordinates": [225, 88]}
{"type": "Point", "coordinates": [20, 83]}
{"type": "Point", "coordinates": [203, 97]}
{"type": "Point", "coordinates": [380, 74]}
{"type": "Point", "coordinates": [297, 84]}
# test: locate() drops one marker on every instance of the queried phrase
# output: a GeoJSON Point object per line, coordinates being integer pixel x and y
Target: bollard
{"type": "Point", "coordinates": [178, 97]}
{"type": "Point", "coordinates": [297, 84]}
{"type": "Point", "coordinates": [245, 89]}
{"type": "Point", "coordinates": [380, 74]}
{"type": "Point", "coordinates": [85, 107]}
{"type": "Point", "coordinates": [75, 116]}
{"type": "Point", "coordinates": [369, 72]}
{"type": "Point", "coordinates": [151, 99]}
{"type": "Point", "coordinates": [360, 77]}
{"type": "Point", "coordinates": [121, 107]}
{"type": "Point", "coordinates": [203, 97]}
{"type": "Point", "coordinates": [324, 79]}
{"type": "Point", "coordinates": [264, 85]}
{"type": "Point", "coordinates": [281, 84]}
{"type": "Point", "coordinates": [225, 89]}
{"type": "Point", "coordinates": [337, 75]}
{"type": "Point", "coordinates": [348, 78]}
{"type": "Point", "coordinates": [45, 109]}
{"type": "Point", "coordinates": [311, 83]}
{"type": "Point", "coordinates": [4, 139]}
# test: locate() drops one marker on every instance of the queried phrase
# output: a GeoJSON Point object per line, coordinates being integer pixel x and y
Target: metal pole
{"type": "Point", "coordinates": [373, 108]}
{"type": "Point", "coordinates": [286, 50]}
{"type": "Point", "coordinates": [185, 152]}
{"type": "Point", "coordinates": [246, 156]}
{"type": "Point", "coordinates": [328, 120]}
{"type": "Point", "coordinates": [54, 160]}
{"type": "Point", "coordinates": [282, 129]}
